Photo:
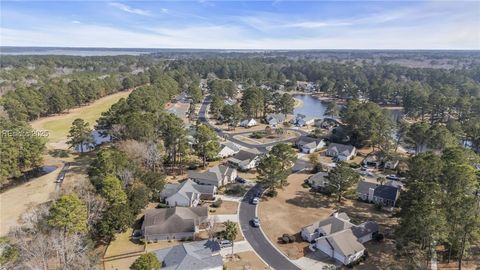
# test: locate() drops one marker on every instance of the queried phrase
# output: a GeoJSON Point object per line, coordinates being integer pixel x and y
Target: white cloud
{"type": "Point", "coordinates": [76, 22]}
{"type": "Point", "coordinates": [316, 24]}
{"type": "Point", "coordinates": [129, 9]}
{"type": "Point", "coordinates": [164, 10]}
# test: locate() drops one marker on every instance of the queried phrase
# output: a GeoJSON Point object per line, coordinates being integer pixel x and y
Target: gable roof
{"type": "Point", "coordinates": [188, 188]}
{"type": "Point", "coordinates": [213, 176]}
{"type": "Point", "coordinates": [363, 187]}
{"type": "Point", "coordinates": [277, 118]}
{"type": "Point", "coordinates": [193, 255]}
{"type": "Point", "coordinates": [303, 140]}
{"type": "Point", "coordinates": [344, 149]}
{"type": "Point", "coordinates": [386, 192]}
{"type": "Point", "coordinates": [344, 242]}
{"type": "Point", "coordinates": [232, 146]}
{"type": "Point", "coordinates": [245, 155]}
{"type": "Point", "coordinates": [318, 178]}
{"type": "Point", "coordinates": [172, 220]}
{"type": "Point", "coordinates": [364, 229]}
{"type": "Point", "coordinates": [331, 224]}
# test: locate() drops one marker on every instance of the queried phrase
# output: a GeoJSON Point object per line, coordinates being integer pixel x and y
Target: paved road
{"type": "Point", "coordinates": [257, 239]}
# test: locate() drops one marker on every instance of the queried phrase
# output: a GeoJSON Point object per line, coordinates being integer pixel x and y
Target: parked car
{"type": "Point", "coordinates": [256, 222]}
{"type": "Point", "coordinates": [393, 177]}
{"type": "Point", "coordinates": [240, 180]}
{"type": "Point", "coordinates": [225, 243]}
{"type": "Point", "coordinates": [255, 200]}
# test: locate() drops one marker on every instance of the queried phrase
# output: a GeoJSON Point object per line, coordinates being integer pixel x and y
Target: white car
{"type": "Point", "coordinates": [255, 200]}
{"type": "Point", "coordinates": [256, 222]}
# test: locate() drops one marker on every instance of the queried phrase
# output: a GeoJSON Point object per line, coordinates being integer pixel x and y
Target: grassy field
{"type": "Point", "coordinates": [58, 125]}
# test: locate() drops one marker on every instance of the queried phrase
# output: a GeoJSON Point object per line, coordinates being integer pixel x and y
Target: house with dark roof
{"type": "Point", "coordinates": [198, 255]}
{"type": "Point", "coordinates": [179, 223]}
{"type": "Point", "coordinates": [217, 176]}
{"type": "Point", "coordinates": [386, 195]}
{"type": "Point", "coordinates": [340, 239]}
{"type": "Point", "coordinates": [245, 159]}
{"type": "Point", "coordinates": [341, 152]}
{"type": "Point", "coordinates": [309, 144]}
{"type": "Point", "coordinates": [187, 193]}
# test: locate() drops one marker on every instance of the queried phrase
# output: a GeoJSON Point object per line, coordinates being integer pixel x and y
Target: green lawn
{"type": "Point", "coordinates": [58, 125]}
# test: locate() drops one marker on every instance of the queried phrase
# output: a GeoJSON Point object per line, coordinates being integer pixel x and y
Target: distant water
{"type": "Point", "coordinates": [72, 52]}
{"type": "Point", "coordinates": [312, 106]}
{"type": "Point", "coordinates": [97, 140]}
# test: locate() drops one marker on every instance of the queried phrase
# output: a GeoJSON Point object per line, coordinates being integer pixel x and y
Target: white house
{"type": "Point", "coordinates": [228, 149]}
{"type": "Point", "coordinates": [275, 120]}
{"type": "Point", "coordinates": [217, 176]}
{"type": "Point", "coordinates": [309, 145]}
{"type": "Point", "coordinates": [342, 152]}
{"type": "Point", "coordinates": [318, 180]}
{"type": "Point", "coordinates": [245, 159]}
{"type": "Point", "coordinates": [342, 246]}
{"type": "Point", "coordinates": [337, 237]}
{"type": "Point", "coordinates": [187, 194]}
{"type": "Point", "coordinates": [248, 123]}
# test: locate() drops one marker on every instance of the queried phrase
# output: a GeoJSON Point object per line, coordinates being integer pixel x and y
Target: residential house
{"type": "Point", "coordinates": [198, 255]}
{"type": "Point", "coordinates": [341, 152]}
{"type": "Point", "coordinates": [309, 145]}
{"type": "Point", "coordinates": [179, 223]}
{"type": "Point", "coordinates": [372, 160]}
{"type": "Point", "coordinates": [245, 159]}
{"type": "Point", "coordinates": [386, 195]}
{"type": "Point", "coordinates": [217, 176]}
{"type": "Point", "coordinates": [274, 120]}
{"type": "Point", "coordinates": [302, 120]}
{"type": "Point", "coordinates": [340, 239]}
{"type": "Point", "coordinates": [250, 122]}
{"type": "Point", "coordinates": [187, 194]}
{"type": "Point", "coordinates": [318, 181]}
{"type": "Point", "coordinates": [228, 149]}
{"type": "Point", "coordinates": [391, 164]}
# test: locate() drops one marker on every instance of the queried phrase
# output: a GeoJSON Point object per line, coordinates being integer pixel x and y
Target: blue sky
{"type": "Point", "coordinates": [243, 24]}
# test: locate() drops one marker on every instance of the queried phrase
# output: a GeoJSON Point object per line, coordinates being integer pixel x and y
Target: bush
{"type": "Point", "coordinates": [291, 238]}
{"type": "Point", "coordinates": [354, 165]}
{"type": "Point", "coordinates": [235, 189]}
{"type": "Point", "coordinates": [271, 193]}
{"type": "Point", "coordinates": [257, 135]}
{"type": "Point", "coordinates": [378, 237]}
{"type": "Point", "coordinates": [162, 205]}
{"type": "Point", "coordinates": [285, 240]}
{"type": "Point", "coordinates": [217, 203]}
{"type": "Point", "coordinates": [305, 185]}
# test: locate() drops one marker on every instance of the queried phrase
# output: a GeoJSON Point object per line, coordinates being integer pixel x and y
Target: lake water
{"type": "Point", "coordinates": [312, 106]}
{"type": "Point", "coordinates": [97, 140]}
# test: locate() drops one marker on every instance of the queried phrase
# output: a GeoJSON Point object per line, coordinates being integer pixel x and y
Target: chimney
{"type": "Point", "coordinates": [370, 194]}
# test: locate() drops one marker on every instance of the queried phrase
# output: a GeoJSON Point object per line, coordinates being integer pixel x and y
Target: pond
{"type": "Point", "coordinates": [97, 140]}
{"type": "Point", "coordinates": [312, 107]}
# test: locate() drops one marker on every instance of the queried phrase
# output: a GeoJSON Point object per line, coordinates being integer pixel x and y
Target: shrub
{"type": "Point", "coordinates": [285, 240]}
{"type": "Point", "coordinates": [217, 203]}
{"type": "Point", "coordinates": [291, 238]}
{"type": "Point", "coordinates": [285, 235]}
{"type": "Point", "coordinates": [378, 237]}
{"type": "Point", "coordinates": [305, 185]}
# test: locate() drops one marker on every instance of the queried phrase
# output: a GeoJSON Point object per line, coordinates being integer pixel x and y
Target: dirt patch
{"type": "Point", "coordinates": [293, 208]}
{"type": "Point", "coordinates": [269, 139]}
{"type": "Point", "coordinates": [227, 208]}
{"type": "Point", "coordinates": [245, 260]}
{"type": "Point", "coordinates": [219, 228]}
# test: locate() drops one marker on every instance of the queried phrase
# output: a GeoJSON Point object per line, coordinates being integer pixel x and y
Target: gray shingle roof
{"type": "Point", "coordinates": [343, 149]}
{"type": "Point", "coordinates": [173, 220]}
{"type": "Point", "coordinates": [331, 224]}
{"type": "Point", "coordinates": [213, 176]}
{"type": "Point", "coordinates": [363, 187]}
{"type": "Point", "coordinates": [386, 192]}
{"type": "Point", "coordinates": [345, 243]}
{"type": "Point", "coordinates": [188, 256]}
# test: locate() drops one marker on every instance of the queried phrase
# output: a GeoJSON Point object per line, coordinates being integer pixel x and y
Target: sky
{"type": "Point", "coordinates": [208, 24]}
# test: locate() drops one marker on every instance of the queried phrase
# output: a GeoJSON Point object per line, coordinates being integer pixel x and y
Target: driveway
{"type": "Point", "coordinates": [257, 239]}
